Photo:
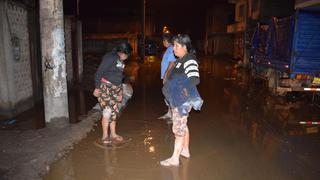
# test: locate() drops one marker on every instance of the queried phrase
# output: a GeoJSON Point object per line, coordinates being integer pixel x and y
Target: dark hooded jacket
{"type": "Point", "coordinates": [111, 69]}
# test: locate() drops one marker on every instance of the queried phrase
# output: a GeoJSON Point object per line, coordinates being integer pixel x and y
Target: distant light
{"type": "Point", "coordinates": [165, 29]}
{"type": "Point", "coordinates": [311, 89]}
{"type": "Point", "coordinates": [310, 122]}
{"type": "Point", "coordinates": [286, 66]}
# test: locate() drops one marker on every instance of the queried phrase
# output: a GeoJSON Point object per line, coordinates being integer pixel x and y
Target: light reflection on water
{"type": "Point", "coordinates": [272, 122]}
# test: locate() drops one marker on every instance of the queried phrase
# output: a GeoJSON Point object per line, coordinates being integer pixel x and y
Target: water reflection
{"type": "Point", "coordinates": [272, 122]}
{"type": "Point", "coordinates": [111, 161]}
{"type": "Point", "coordinates": [176, 173]}
{"type": "Point", "coordinates": [148, 142]}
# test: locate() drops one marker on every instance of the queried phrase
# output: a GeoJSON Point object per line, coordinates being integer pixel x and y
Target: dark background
{"type": "Point", "coordinates": [182, 16]}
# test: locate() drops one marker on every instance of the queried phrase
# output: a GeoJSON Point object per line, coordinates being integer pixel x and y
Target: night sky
{"type": "Point", "coordinates": [181, 16]}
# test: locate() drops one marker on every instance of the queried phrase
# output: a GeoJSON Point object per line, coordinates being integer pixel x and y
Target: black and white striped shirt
{"type": "Point", "coordinates": [187, 65]}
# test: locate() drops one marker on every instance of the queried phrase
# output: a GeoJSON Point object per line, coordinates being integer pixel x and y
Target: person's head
{"type": "Point", "coordinates": [124, 50]}
{"type": "Point", "coordinates": [182, 45]}
{"type": "Point", "coordinates": [166, 39]}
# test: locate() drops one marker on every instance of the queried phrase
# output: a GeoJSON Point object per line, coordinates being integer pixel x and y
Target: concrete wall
{"type": "Point", "coordinates": [16, 81]}
{"type": "Point", "coordinates": [5, 103]}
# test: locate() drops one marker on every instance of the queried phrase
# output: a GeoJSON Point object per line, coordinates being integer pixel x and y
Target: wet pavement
{"type": "Point", "coordinates": [242, 132]}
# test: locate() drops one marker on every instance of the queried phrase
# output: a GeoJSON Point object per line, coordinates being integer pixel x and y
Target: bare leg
{"type": "Point", "coordinates": [185, 150]}
{"type": "Point", "coordinates": [174, 159]}
{"type": "Point", "coordinates": [180, 130]}
{"type": "Point", "coordinates": [178, 144]}
{"type": "Point", "coordinates": [113, 133]}
{"type": "Point", "coordinates": [113, 129]}
{"type": "Point", "coordinates": [105, 128]}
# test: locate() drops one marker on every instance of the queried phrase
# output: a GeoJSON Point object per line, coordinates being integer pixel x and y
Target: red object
{"type": "Point", "coordinates": [104, 80]}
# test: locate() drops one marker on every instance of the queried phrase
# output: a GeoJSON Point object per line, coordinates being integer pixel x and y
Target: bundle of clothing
{"type": "Point", "coordinates": [182, 94]}
{"type": "Point", "coordinates": [127, 93]}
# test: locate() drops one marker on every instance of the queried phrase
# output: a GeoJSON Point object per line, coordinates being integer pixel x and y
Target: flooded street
{"type": "Point", "coordinates": [241, 132]}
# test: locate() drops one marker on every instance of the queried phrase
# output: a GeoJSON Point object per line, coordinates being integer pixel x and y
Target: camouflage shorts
{"type": "Point", "coordinates": [110, 100]}
{"type": "Point", "coordinates": [179, 123]}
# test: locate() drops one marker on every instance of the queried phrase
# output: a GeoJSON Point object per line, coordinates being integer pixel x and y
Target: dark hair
{"type": "Point", "coordinates": [167, 37]}
{"type": "Point", "coordinates": [184, 39]}
{"type": "Point", "coordinates": [124, 47]}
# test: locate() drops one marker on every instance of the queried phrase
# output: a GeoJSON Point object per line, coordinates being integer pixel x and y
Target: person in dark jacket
{"type": "Point", "coordinates": [108, 89]}
{"type": "Point", "coordinates": [181, 92]}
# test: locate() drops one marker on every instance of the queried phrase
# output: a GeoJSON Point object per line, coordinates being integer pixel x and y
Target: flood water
{"type": "Point", "coordinates": [241, 132]}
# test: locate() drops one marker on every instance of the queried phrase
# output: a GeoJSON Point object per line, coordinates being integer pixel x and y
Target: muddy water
{"type": "Point", "coordinates": [229, 137]}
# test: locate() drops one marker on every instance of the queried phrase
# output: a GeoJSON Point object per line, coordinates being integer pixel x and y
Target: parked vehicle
{"type": "Point", "coordinates": [286, 52]}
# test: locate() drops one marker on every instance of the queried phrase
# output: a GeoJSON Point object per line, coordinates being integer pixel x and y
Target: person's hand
{"type": "Point", "coordinates": [96, 92]}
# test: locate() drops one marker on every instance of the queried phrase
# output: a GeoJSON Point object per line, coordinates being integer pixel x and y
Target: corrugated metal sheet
{"type": "Point", "coordinates": [306, 44]}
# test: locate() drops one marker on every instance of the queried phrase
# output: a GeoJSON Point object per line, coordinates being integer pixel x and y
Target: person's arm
{"type": "Point", "coordinates": [168, 70]}
{"type": "Point", "coordinates": [191, 69]}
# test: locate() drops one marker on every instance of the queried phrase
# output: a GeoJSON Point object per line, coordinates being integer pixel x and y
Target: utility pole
{"type": "Point", "coordinates": [208, 27]}
{"type": "Point", "coordinates": [245, 34]}
{"type": "Point", "coordinates": [53, 64]}
{"type": "Point", "coordinates": [143, 27]}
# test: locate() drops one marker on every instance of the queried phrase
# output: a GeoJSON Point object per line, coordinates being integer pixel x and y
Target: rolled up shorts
{"type": "Point", "coordinates": [110, 100]}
